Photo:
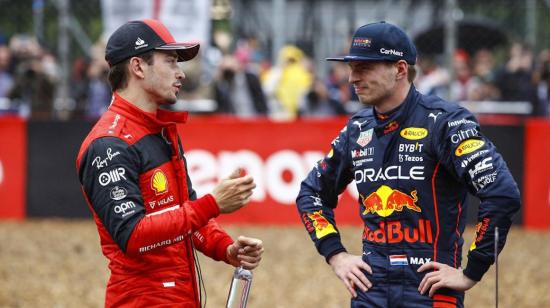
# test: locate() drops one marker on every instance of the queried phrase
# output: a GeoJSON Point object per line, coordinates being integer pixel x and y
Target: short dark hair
{"type": "Point", "coordinates": [118, 73]}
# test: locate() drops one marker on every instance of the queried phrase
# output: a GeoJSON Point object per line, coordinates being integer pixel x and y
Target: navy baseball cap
{"type": "Point", "coordinates": [380, 41]}
{"type": "Point", "coordinates": [139, 36]}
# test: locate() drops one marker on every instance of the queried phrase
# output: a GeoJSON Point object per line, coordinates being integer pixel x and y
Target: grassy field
{"type": "Point", "coordinates": [57, 263]}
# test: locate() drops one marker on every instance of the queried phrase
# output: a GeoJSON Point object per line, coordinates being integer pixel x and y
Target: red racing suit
{"type": "Point", "coordinates": [134, 178]}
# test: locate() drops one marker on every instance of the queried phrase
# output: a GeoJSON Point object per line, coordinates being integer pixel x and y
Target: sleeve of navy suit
{"type": "Point", "coordinates": [319, 196]}
{"type": "Point", "coordinates": [466, 153]}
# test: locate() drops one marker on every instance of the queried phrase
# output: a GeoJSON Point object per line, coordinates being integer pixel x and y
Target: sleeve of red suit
{"type": "Point", "coordinates": [211, 239]}
{"type": "Point", "coordinates": [125, 218]}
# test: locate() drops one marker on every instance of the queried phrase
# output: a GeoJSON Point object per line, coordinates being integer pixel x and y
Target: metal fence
{"type": "Point", "coordinates": [54, 44]}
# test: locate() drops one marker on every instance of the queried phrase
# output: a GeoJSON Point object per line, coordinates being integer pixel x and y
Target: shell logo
{"type": "Point", "coordinates": [468, 146]}
{"type": "Point", "coordinates": [159, 182]}
{"type": "Point", "coordinates": [414, 133]}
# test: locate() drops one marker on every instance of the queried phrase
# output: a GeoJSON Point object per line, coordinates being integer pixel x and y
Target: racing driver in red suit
{"type": "Point", "coordinates": [134, 178]}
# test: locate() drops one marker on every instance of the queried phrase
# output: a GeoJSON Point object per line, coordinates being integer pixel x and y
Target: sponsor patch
{"type": "Point", "coordinates": [464, 134]}
{"type": "Point", "coordinates": [390, 127]}
{"type": "Point", "coordinates": [359, 124]}
{"type": "Point", "coordinates": [118, 193]}
{"type": "Point", "coordinates": [460, 122]}
{"type": "Point", "coordinates": [484, 180]}
{"type": "Point", "coordinates": [140, 43]}
{"type": "Point", "coordinates": [414, 133]}
{"type": "Point", "coordinates": [389, 173]}
{"type": "Point", "coordinates": [322, 226]}
{"type": "Point", "coordinates": [385, 200]}
{"type": "Point", "coordinates": [159, 182]}
{"type": "Point", "coordinates": [399, 260]}
{"type": "Point", "coordinates": [99, 162]}
{"type": "Point", "coordinates": [469, 146]}
{"type": "Point", "coordinates": [391, 52]}
{"type": "Point", "coordinates": [112, 176]}
{"type": "Point", "coordinates": [316, 201]}
{"type": "Point", "coordinates": [365, 137]}
{"type": "Point", "coordinates": [469, 159]}
{"type": "Point", "coordinates": [481, 166]}
{"type": "Point", "coordinates": [481, 229]}
{"type": "Point", "coordinates": [410, 148]}
{"type": "Point", "coordinates": [125, 208]}
{"type": "Point", "coordinates": [362, 153]}
{"type": "Point", "coordinates": [393, 232]}
{"type": "Point", "coordinates": [434, 115]}
{"type": "Point", "coordinates": [361, 42]}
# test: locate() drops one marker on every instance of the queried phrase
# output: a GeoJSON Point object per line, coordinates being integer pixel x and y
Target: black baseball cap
{"type": "Point", "coordinates": [139, 36]}
{"type": "Point", "coordinates": [380, 41]}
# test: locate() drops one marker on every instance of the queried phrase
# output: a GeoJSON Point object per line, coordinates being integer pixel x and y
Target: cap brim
{"type": "Point", "coordinates": [353, 58]}
{"type": "Point", "coordinates": [186, 51]}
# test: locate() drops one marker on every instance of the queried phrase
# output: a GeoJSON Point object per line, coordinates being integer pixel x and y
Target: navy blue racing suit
{"type": "Point", "coordinates": [412, 171]}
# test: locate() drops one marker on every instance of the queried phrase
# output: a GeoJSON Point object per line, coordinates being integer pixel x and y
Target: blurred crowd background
{"type": "Point", "coordinates": [265, 58]}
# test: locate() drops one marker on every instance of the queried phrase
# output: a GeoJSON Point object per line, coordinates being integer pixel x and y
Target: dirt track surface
{"type": "Point", "coordinates": [58, 263]}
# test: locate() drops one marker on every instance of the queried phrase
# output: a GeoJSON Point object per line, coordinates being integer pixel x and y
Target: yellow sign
{"type": "Point", "coordinates": [414, 133]}
{"type": "Point", "coordinates": [159, 182]}
{"type": "Point", "coordinates": [321, 224]}
{"type": "Point", "coordinates": [469, 146]}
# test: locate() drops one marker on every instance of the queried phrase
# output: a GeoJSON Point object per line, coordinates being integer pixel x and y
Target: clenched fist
{"type": "Point", "coordinates": [246, 252]}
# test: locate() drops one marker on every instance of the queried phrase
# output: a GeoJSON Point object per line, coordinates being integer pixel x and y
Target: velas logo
{"type": "Point", "coordinates": [469, 146]}
{"type": "Point", "coordinates": [159, 182]}
{"type": "Point", "coordinates": [322, 226]}
{"type": "Point", "coordinates": [385, 200]}
{"type": "Point", "coordinates": [361, 42]}
{"type": "Point", "coordinates": [414, 133]}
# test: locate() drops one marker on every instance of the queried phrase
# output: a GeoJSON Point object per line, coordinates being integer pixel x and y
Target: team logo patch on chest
{"type": "Point", "coordinates": [385, 200]}
{"type": "Point", "coordinates": [159, 182]}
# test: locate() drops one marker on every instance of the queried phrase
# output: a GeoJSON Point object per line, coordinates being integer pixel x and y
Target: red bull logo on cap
{"type": "Point", "coordinates": [385, 200]}
{"type": "Point", "coordinates": [322, 226]}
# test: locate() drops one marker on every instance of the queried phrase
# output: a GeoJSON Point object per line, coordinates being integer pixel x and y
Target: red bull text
{"type": "Point", "coordinates": [392, 232]}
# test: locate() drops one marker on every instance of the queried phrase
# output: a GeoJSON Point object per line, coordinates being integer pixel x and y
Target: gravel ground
{"type": "Point", "coordinates": [58, 263]}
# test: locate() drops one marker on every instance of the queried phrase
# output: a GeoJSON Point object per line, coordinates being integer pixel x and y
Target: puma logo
{"type": "Point", "coordinates": [359, 124]}
{"type": "Point", "coordinates": [432, 115]}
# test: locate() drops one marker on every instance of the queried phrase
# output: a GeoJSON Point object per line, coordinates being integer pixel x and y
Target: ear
{"type": "Point", "coordinates": [136, 67]}
{"type": "Point", "coordinates": [402, 68]}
